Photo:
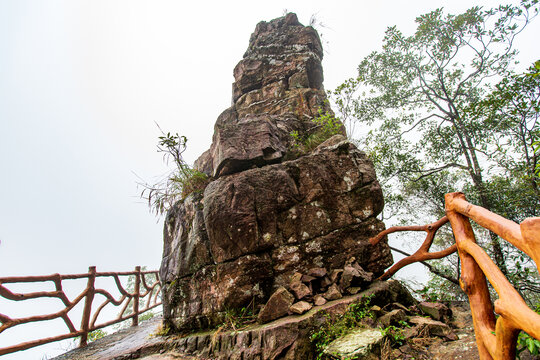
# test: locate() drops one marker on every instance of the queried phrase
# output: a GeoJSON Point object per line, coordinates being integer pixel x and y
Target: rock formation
{"type": "Point", "coordinates": [267, 213]}
{"type": "Point", "coordinates": [285, 235]}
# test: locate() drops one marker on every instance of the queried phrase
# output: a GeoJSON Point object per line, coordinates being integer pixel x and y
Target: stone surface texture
{"type": "Point", "coordinates": [129, 343]}
{"type": "Point", "coordinates": [300, 307]}
{"type": "Point", "coordinates": [288, 337]}
{"type": "Point", "coordinates": [437, 311]}
{"type": "Point", "coordinates": [431, 327]}
{"type": "Point", "coordinates": [266, 213]}
{"type": "Point", "coordinates": [357, 344]}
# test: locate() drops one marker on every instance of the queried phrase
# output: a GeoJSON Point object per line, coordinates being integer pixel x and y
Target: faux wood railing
{"type": "Point", "coordinates": [142, 289]}
{"type": "Point", "coordinates": [496, 337]}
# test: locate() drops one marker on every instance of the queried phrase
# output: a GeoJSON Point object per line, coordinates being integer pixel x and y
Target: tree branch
{"type": "Point", "coordinates": [422, 253]}
{"type": "Point", "coordinates": [432, 269]}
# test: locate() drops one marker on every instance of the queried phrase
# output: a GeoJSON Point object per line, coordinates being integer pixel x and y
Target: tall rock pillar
{"type": "Point", "coordinates": [267, 214]}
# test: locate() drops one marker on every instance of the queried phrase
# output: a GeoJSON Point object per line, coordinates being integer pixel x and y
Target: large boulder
{"type": "Point", "coordinates": [267, 215]}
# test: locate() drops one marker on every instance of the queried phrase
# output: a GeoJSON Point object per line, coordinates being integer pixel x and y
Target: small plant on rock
{"type": "Point", "coordinates": [338, 326]}
{"type": "Point", "coordinates": [326, 126]}
{"type": "Point", "coordinates": [236, 319]}
{"type": "Point", "coordinates": [527, 342]}
{"type": "Point", "coordinates": [177, 185]}
{"type": "Point", "coordinates": [394, 334]}
{"type": "Point", "coordinates": [162, 330]}
{"type": "Point", "coordinates": [92, 336]}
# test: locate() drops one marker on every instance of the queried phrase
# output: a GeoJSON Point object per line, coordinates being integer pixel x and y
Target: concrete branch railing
{"type": "Point", "coordinates": [496, 337]}
{"type": "Point", "coordinates": [143, 288]}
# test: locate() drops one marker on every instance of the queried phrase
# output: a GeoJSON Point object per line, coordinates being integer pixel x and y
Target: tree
{"type": "Point", "coordinates": [416, 96]}
{"type": "Point", "coordinates": [512, 113]}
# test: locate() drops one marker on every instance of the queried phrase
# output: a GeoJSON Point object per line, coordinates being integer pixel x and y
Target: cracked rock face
{"type": "Point", "coordinates": [263, 218]}
{"type": "Point", "coordinates": [277, 90]}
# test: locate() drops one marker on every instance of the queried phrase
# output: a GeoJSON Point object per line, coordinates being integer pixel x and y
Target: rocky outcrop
{"type": "Point", "coordinates": [267, 214]}
{"type": "Point", "coordinates": [277, 89]}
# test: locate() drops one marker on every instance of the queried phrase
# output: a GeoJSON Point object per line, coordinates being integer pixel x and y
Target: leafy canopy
{"type": "Point", "coordinates": [434, 120]}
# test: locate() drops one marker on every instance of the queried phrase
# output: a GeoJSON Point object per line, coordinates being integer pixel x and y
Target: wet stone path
{"type": "Point", "coordinates": [137, 342]}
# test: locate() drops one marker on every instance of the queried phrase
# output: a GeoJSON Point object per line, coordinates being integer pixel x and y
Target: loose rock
{"type": "Point", "coordinates": [300, 307]}
{"type": "Point", "coordinates": [433, 327]}
{"type": "Point", "coordinates": [317, 272]}
{"type": "Point", "coordinates": [300, 290]}
{"type": "Point", "coordinates": [296, 277]}
{"type": "Point", "coordinates": [307, 278]}
{"type": "Point", "coordinates": [335, 275]}
{"type": "Point", "coordinates": [437, 311]}
{"type": "Point", "coordinates": [332, 293]}
{"type": "Point", "coordinates": [277, 306]}
{"type": "Point", "coordinates": [392, 318]}
{"type": "Point", "coordinates": [319, 300]}
{"type": "Point", "coordinates": [354, 345]}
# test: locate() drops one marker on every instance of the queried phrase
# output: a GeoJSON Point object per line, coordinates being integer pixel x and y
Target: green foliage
{"type": "Point", "coordinates": [162, 330]}
{"type": "Point", "coordinates": [235, 319]}
{"type": "Point", "coordinates": [92, 336]}
{"type": "Point", "coordinates": [96, 335]}
{"type": "Point", "coordinates": [127, 323]}
{"type": "Point", "coordinates": [525, 341]}
{"type": "Point", "coordinates": [508, 117]}
{"type": "Point", "coordinates": [534, 71]}
{"type": "Point", "coordinates": [395, 334]}
{"type": "Point", "coordinates": [434, 122]}
{"type": "Point", "coordinates": [337, 326]}
{"type": "Point", "coordinates": [177, 185]}
{"type": "Point", "coordinates": [146, 316]}
{"type": "Point", "coordinates": [327, 125]}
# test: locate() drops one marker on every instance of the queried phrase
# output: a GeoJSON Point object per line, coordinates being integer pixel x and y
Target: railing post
{"type": "Point", "coordinates": [90, 292]}
{"type": "Point", "coordinates": [135, 319]}
{"type": "Point", "coordinates": [473, 281]}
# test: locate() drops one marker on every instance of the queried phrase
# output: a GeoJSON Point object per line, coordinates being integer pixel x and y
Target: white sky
{"type": "Point", "coordinates": [82, 82]}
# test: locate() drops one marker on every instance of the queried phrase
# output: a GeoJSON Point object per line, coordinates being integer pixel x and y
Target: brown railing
{"type": "Point", "coordinates": [150, 291]}
{"type": "Point", "coordinates": [496, 338]}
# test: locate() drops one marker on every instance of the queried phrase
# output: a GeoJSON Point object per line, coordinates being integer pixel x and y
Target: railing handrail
{"type": "Point", "coordinates": [495, 338]}
{"type": "Point", "coordinates": [52, 277]}
{"type": "Point", "coordinates": [141, 290]}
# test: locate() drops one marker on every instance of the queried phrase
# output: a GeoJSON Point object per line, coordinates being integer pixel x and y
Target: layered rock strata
{"type": "Point", "coordinates": [266, 215]}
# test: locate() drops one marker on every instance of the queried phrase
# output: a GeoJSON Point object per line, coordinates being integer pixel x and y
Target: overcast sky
{"type": "Point", "coordinates": [82, 83]}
